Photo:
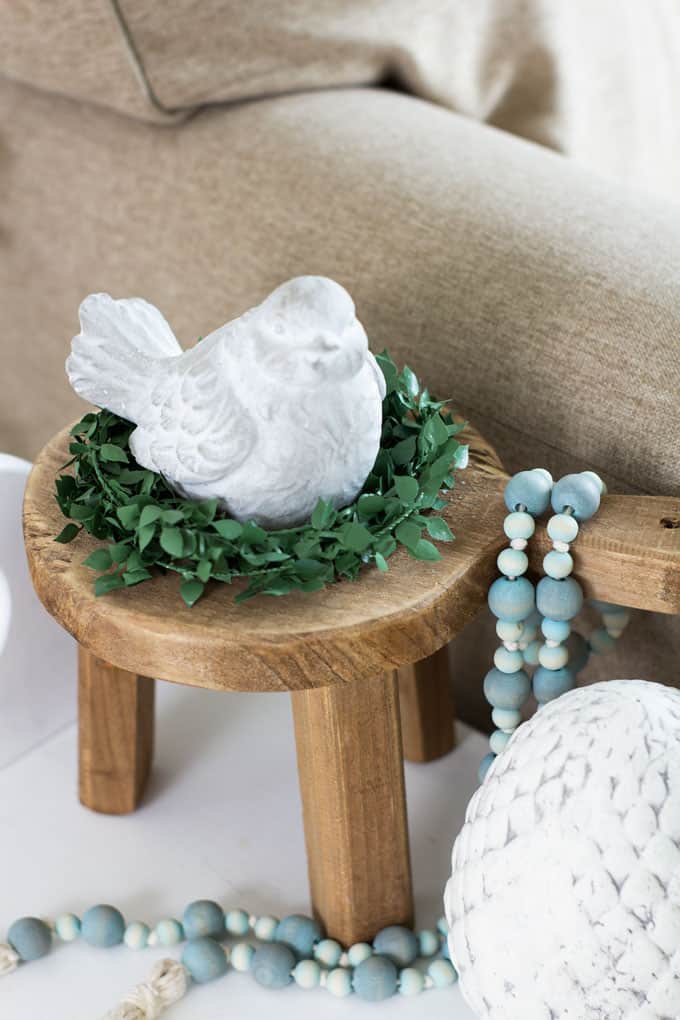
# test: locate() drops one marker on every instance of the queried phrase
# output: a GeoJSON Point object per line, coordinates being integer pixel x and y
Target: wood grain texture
{"type": "Point", "coordinates": [115, 734]}
{"type": "Point", "coordinates": [348, 632]}
{"type": "Point", "coordinates": [354, 807]}
{"type": "Point", "coordinates": [426, 703]}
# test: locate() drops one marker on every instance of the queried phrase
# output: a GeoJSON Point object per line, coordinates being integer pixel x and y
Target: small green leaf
{"type": "Point", "coordinates": [356, 537]}
{"type": "Point", "coordinates": [438, 529]}
{"type": "Point", "coordinates": [252, 534]}
{"type": "Point", "coordinates": [107, 583]}
{"type": "Point", "coordinates": [323, 515]}
{"type": "Point", "coordinates": [408, 534]}
{"type": "Point", "coordinates": [109, 452]}
{"type": "Point", "coordinates": [148, 515]}
{"type": "Point", "coordinates": [231, 530]}
{"type": "Point", "coordinates": [410, 381]}
{"type": "Point", "coordinates": [380, 562]}
{"type": "Point", "coordinates": [404, 451]}
{"type": "Point", "coordinates": [119, 552]}
{"type": "Point", "coordinates": [128, 515]}
{"type": "Point", "coordinates": [172, 542]}
{"type": "Point", "coordinates": [191, 591]}
{"type": "Point", "coordinates": [370, 504]}
{"type": "Point", "coordinates": [424, 550]}
{"type": "Point", "coordinates": [67, 534]}
{"type": "Point", "coordinates": [82, 513]}
{"type": "Point", "coordinates": [172, 516]}
{"type": "Point", "coordinates": [144, 536]}
{"type": "Point", "coordinates": [100, 559]}
{"type": "Point", "coordinates": [132, 577]}
{"type": "Point", "coordinates": [204, 570]}
{"type": "Point", "coordinates": [407, 488]}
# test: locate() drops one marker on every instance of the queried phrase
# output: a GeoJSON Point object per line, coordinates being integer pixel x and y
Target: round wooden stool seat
{"type": "Point", "coordinates": [344, 633]}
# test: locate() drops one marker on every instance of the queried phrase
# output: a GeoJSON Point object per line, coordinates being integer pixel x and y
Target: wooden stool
{"type": "Point", "coordinates": [346, 654]}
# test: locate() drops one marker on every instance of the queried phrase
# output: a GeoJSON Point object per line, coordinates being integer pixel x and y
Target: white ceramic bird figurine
{"type": "Point", "coordinates": [273, 410]}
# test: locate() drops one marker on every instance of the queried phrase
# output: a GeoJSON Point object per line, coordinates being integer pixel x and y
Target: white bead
{"type": "Point", "coordinates": [561, 547]}
{"type": "Point", "coordinates": [518, 543]}
{"type": "Point", "coordinates": [552, 644]}
{"type": "Point", "coordinates": [509, 631]}
{"type": "Point", "coordinates": [265, 928]}
{"type": "Point", "coordinates": [67, 927]}
{"type": "Point", "coordinates": [506, 719]}
{"type": "Point", "coordinates": [136, 935]}
{"type": "Point", "coordinates": [242, 956]}
{"type": "Point", "coordinates": [359, 952]}
{"type": "Point", "coordinates": [558, 564]}
{"type": "Point", "coordinates": [553, 658]}
{"type": "Point", "coordinates": [519, 524]}
{"type": "Point", "coordinates": [512, 562]}
{"type": "Point", "coordinates": [338, 982]}
{"type": "Point", "coordinates": [507, 661]}
{"type": "Point", "coordinates": [511, 646]}
{"type": "Point", "coordinates": [562, 528]}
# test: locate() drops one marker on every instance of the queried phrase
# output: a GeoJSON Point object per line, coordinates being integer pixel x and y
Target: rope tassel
{"type": "Point", "coordinates": [9, 959]}
{"type": "Point", "coordinates": [168, 983]}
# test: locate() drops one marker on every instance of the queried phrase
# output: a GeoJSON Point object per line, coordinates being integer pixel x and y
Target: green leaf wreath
{"type": "Point", "coordinates": [146, 525]}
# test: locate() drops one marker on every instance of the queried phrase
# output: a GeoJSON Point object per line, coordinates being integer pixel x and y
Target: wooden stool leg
{"type": "Point", "coordinates": [115, 723]}
{"type": "Point", "coordinates": [352, 783]}
{"type": "Point", "coordinates": [426, 708]}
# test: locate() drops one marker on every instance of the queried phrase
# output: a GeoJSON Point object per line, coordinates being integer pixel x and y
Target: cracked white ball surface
{"type": "Point", "coordinates": [564, 898]}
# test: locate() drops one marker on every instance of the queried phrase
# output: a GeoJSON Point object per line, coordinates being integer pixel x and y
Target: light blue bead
{"type": "Point", "coordinates": [137, 935]}
{"type": "Point", "coordinates": [553, 658]}
{"type": "Point", "coordinates": [506, 718]}
{"type": "Point", "coordinates": [509, 631]}
{"type": "Point", "coordinates": [328, 952]}
{"type": "Point", "coordinates": [579, 492]}
{"type": "Point", "coordinates": [530, 634]}
{"type": "Point", "coordinates": [519, 525]}
{"type": "Point", "coordinates": [512, 562]}
{"type": "Point", "coordinates": [204, 958]}
{"type": "Point", "coordinates": [265, 928]}
{"type": "Point", "coordinates": [339, 983]}
{"type": "Point", "coordinates": [375, 979]}
{"type": "Point", "coordinates": [273, 965]}
{"type": "Point", "coordinates": [511, 600]}
{"type": "Point", "coordinates": [30, 938]}
{"type": "Point", "coordinates": [307, 974]}
{"type": "Point", "coordinates": [507, 661]}
{"type": "Point", "coordinates": [579, 652]}
{"type": "Point", "coordinates": [551, 683]}
{"type": "Point", "coordinates": [597, 480]}
{"type": "Point", "coordinates": [169, 932]}
{"type": "Point", "coordinates": [237, 922]}
{"type": "Point", "coordinates": [398, 943]}
{"type": "Point", "coordinates": [443, 973]}
{"type": "Point", "coordinates": [443, 927]}
{"type": "Point", "coordinates": [555, 630]}
{"type": "Point", "coordinates": [203, 918]}
{"type": "Point", "coordinates": [299, 933]}
{"type": "Point", "coordinates": [530, 653]}
{"type": "Point", "coordinates": [498, 741]}
{"type": "Point", "coordinates": [601, 641]}
{"type": "Point", "coordinates": [103, 926]}
{"type": "Point", "coordinates": [411, 981]}
{"type": "Point", "coordinates": [557, 564]}
{"type": "Point", "coordinates": [562, 528]}
{"type": "Point", "coordinates": [428, 942]}
{"type": "Point", "coordinates": [67, 927]}
{"type": "Point", "coordinates": [530, 489]}
{"type": "Point", "coordinates": [241, 957]}
{"type": "Point", "coordinates": [484, 766]}
{"type": "Point", "coordinates": [560, 600]}
{"type": "Point", "coordinates": [506, 690]}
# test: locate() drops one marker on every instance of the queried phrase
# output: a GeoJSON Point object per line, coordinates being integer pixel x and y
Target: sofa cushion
{"type": "Point", "coordinates": [597, 81]}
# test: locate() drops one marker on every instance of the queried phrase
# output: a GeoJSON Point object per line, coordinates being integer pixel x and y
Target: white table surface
{"type": "Point", "coordinates": [221, 820]}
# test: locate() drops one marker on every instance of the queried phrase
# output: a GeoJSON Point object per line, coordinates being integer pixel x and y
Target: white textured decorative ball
{"type": "Point", "coordinates": [564, 899]}
{"type": "Point", "coordinates": [274, 410]}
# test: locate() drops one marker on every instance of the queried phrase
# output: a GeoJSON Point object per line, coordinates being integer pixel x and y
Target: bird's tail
{"type": "Point", "coordinates": [116, 354]}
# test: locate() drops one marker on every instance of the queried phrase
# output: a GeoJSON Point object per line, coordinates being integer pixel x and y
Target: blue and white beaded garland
{"type": "Point", "coordinates": [293, 950]}
{"type": "Point", "coordinates": [534, 625]}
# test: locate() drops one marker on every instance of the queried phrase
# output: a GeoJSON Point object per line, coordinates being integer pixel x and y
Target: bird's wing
{"type": "Point", "coordinates": [195, 429]}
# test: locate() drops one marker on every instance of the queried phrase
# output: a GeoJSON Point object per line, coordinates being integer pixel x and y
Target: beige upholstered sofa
{"type": "Point", "coordinates": [495, 181]}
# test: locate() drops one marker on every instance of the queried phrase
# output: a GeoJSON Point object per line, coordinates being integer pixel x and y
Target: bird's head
{"type": "Point", "coordinates": [306, 333]}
